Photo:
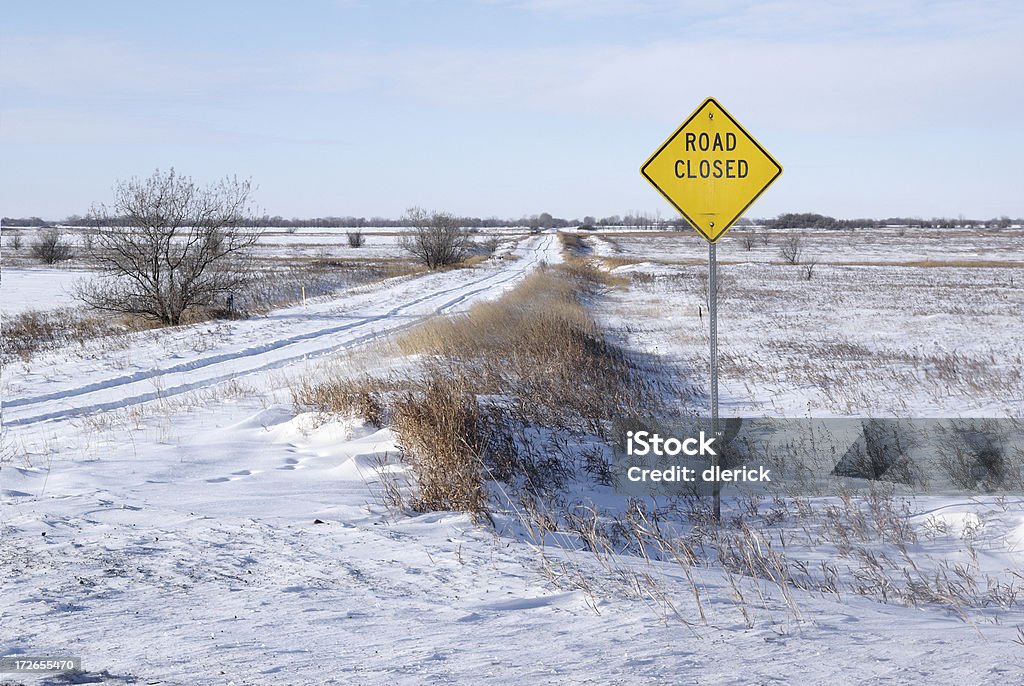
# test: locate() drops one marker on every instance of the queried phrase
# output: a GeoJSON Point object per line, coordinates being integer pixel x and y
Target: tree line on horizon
{"type": "Point", "coordinates": [544, 220]}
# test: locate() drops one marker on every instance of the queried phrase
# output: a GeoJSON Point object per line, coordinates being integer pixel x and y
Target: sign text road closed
{"type": "Point", "coordinates": [711, 170]}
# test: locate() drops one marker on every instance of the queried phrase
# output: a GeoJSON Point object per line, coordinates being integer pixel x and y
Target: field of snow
{"type": "Point", "coordinates": [167, 517]}
{"type": "Point", "coordinates": [284, 245]}
{"type": "Point", "coordinates": [37, 288]}
{"type": "Point", "coordinates": [892, 326]}
{"type": "Point", "coordinates": [846, 247]}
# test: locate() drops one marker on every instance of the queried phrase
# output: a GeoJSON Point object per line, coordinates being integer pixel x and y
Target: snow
{"type": "Point", "coordinates": [187, 359]}
{"type": "Point", "coordinates": [159, 506]}
{"type": "Point", "coordinates": [199, 560]}
{"type": "Point", "coordinates": [37, 288]}
{"type": "Point", "coordinates": [882, 329]}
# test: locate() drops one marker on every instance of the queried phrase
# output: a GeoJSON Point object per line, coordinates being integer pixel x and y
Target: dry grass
{"type": "Point", "coordinates": [939, 264]}
{"type": "Point", "coordinates": [503, 390]}
{"type": "Point", "coordinates": [540, 349]}
{"type": "Point", "coordinates": [510, 389]}
{"type": "Point", "coordinates": [473, 260]}
{"type": "Point", "coordinates": [615, 262]}
{"type": "Point", "coordinates": [573, 242]}
{"type": "Point", "coordinates": [438, 427]}
{"type": "Point", "coordinates": [31, 332]}
{"type": "Point", "coordinates": [363, 397]}
{"type": "Point", "coordinates": [845, 367]}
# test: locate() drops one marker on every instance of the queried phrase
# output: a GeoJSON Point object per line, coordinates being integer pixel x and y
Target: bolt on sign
{"type": "Point", "coordinates": [711, 170]}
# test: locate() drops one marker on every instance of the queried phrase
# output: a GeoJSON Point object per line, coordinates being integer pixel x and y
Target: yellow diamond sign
{"type": "Point", "coordinates": [711, 170]}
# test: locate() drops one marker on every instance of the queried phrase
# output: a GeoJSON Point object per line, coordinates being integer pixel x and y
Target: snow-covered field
{"type": "Point", "coordinates": [38, 288]}
{"type": "Point", "coordinates": [919, 325]}
{"type": "Point", "coordinates": [280, 245]}
{"type": "Point", "coordinates": [165, 516]}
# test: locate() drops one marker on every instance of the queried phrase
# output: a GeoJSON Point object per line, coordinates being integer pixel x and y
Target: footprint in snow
{"type": "Point", "coordinates": [234, 476]}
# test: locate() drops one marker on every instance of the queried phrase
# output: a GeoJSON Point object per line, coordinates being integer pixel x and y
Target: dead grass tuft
{"type": "Point", "coordinates": [438, 426]}
{"type": "Point", "coordinates": [573, 242]}
{"type": "Point", "coordinates": [363, 397]}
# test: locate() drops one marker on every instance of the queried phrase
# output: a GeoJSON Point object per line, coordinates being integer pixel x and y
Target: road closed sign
{"type": "Point", "coordinates": [711, 170]}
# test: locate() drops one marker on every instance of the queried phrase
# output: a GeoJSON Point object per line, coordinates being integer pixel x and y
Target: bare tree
{"type": "Point", "coordinates": [49, 247]}
{"type": "Point", "coordinates": [356, 239]}
{"type": "Point", "coordinates": [15, 241]}
{"type": "Point", "coordinates": [436, 240]}
{"type": "Point", "coordinates": [807, 269]}
{"type": "Point", "coordinates": [791, 248]}
{"type": "Point", "coordinates": [747, 239]}
{"type": "Point", "coordinates": [167, 245]}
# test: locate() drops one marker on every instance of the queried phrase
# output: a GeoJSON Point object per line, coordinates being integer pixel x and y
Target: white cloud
{"type": "Point", "coordinates": [857, 86]}
{"type": "Point", "coordinates": [796, 19]}
{"type": "Point", "coordinates": [877, 85]}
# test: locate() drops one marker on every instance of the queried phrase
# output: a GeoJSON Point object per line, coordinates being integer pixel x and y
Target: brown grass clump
{"type": "Point", "coordinates": [572, 242]}
{"type": "Point", "coordinates": [540, 350]}
{"type": "Point", "coordinates": [361, 397]}
{"type": "Point", "coordinates": [616, 262]}
{"type": "Point", "coordinates": [438, 430]}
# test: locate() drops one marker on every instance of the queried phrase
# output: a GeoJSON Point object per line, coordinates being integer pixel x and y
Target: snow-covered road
{"type": "Point", "coordinates": [169, 363]}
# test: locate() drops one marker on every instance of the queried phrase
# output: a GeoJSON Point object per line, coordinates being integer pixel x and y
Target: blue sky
{"type": "Point", "coordinates": [511, 107]}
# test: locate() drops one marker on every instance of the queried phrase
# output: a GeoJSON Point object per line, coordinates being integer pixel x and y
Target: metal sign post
{"type": "Point", "coordinates": [713, 336]}
{"type": "Point", "coordinates": [711, 170]}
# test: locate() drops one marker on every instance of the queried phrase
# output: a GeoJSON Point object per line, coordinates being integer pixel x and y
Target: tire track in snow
{"type": "Point", "coordinates": [208, 371]}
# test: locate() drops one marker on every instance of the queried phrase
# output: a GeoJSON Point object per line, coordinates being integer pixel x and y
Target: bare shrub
{"type": "Point", "coordinates": [480, 251]}
{"type": "Point", "coordinates": [976, 457]}
{"type": "Point", "coordinates": [747, 240]}
{"type": "Point", "coordinates": [883, 453]}
{"type": "Point", "coordinates": [438, 432]}
{"type": "Point", "coordinates": [791, 248]}
{"type": "Point", "coordinates": [16, 241]}
{"type": "Point", "coordinates": [486, 247]}
{"type": "Point", "coordinates": [49, 247]}
{"type": "Point", "coordinates": [167, 245]}
{"type": "Point", "coordinates": [807, 269]}
{"type": "Point", "coordinates": [436, 240]}
{"type": "Point", "coordinates": [356, 239]}
{"type": "Point", "coordinates": [726, 286]}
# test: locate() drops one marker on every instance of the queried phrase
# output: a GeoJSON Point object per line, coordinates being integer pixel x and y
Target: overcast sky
{"type": "Point", "coordinates": [511, 107]}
